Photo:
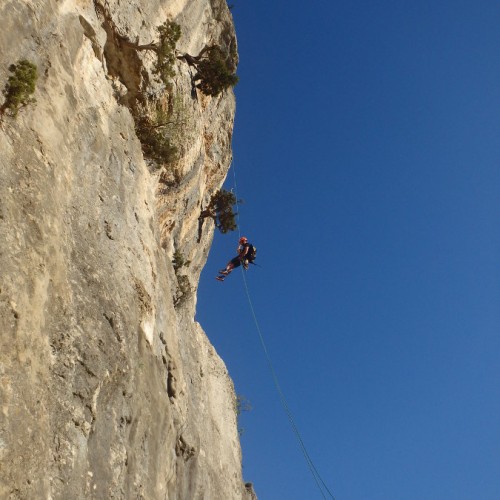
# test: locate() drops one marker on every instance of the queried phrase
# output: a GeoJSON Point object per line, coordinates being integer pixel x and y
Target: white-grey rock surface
{"type": "Point", "coordinates": [108, 387]}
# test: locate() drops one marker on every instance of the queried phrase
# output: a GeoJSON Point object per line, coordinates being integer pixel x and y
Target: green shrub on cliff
{"type": "Point", "coordinates": [162, 127]}
{"type": "Point", "coordinates": [184, 290]}
{"type": "Point", "coordinates": [215, 69]}
{"type": "Point", "coordinates": [220, 209]}
{"type": "Point", "coordinates": [169, 33]}
{"type": "Point", "coordinates": [19, 87]}
{"type": "Point", "coordinates": [179, 260]}
{"type": "Point", "coordinates": [156, 144]}
{"type": "Point", "coordinates": [215, 73]}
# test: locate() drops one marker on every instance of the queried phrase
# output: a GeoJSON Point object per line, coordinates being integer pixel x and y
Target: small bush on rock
{"type": "Point", "coordinates": [20, 87]}
{"type": "Point", "coordinates": [220, 209]}
{"type": "Point", "coordinates": [179, 260]}
{"type": "Point", "coordinates": [184, 290]}
{"type": "Point", "coordinates": [215, 70]}
{"type": "Point", "coordinates": [156, 144]}
{"type": "Point", "coordinates": [169, 34]}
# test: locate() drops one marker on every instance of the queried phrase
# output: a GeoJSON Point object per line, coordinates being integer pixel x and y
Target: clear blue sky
{"type": "Point", "coordinates": [367, 150]}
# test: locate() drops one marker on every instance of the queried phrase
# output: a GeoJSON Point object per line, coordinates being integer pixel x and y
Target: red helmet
{"type": "Point", "coordinates": [243, 239]}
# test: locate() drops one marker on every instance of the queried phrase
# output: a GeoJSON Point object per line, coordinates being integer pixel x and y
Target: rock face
{"type": "Point", "coordinates": [109, 388]}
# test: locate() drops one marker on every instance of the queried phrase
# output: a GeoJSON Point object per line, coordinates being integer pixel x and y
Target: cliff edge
{"type": "Point", "coordinates": [109, 388]}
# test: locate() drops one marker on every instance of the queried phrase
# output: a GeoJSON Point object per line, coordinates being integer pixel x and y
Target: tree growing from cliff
{"type": "Point", "coordinates": [168, 35]}
{"type": "Point", "coordinates": [151, 127]}
{"type": "Point", "coordinates": [161, 127]}
{"type": "Point", "coordinates": [220, 209]}
{"type": "Point", "coordinates": [215, 69]}
{"type": "Point", "coordinates": [179, 260]}
{"type": "Point", "coordinates": [156, 144]}
{"type": "Point", "coordinates": [20, 87]}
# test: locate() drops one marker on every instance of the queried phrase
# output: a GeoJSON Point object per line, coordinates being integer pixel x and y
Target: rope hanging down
{"type": "Point", "coordinates": [323, 488]}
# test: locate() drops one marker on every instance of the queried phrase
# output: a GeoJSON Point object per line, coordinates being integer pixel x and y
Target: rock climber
{"type": "Point", "coordinates": [246, 255]}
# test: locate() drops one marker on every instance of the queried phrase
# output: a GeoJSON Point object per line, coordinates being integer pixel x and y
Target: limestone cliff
{"type": "Point", "coordinates": [109, 388]}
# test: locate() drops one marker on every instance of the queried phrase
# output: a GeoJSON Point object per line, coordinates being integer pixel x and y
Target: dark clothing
{"type": "Point", "coordinates": [236, 262]}
{"type": "Point", "coordinates": [246, 255]}
{"type": "Point", "coordinates": [248, 248]}
{"type": "Point", "coordinates": [244, 252]}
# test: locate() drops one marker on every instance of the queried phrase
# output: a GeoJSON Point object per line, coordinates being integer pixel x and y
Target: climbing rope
{"type": "Point", "coordinates": [322, 487]}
